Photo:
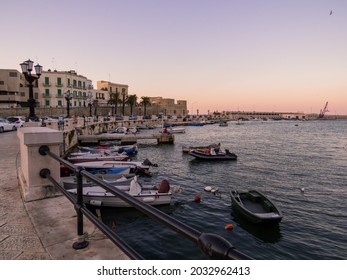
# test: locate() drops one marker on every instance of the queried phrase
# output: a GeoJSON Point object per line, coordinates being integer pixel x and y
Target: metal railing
{"type": "Point", "coordinates": [212, 245]}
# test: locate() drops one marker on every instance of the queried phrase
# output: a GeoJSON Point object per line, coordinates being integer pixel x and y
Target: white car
{"type": "Point", "coordinates": [5, 125]}
{"type": "Point", "coordinates": [17, 120]}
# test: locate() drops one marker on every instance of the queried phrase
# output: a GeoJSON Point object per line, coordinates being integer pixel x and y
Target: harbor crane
{"type": "Point", "coordinates": [323, 111]}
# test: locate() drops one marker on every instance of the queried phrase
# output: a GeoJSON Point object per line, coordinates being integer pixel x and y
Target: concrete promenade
{"type": "Point", "coordinates": [43, 229]}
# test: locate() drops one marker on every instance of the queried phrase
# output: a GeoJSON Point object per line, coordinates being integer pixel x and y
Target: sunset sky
{"type": "Point", "coordinates": [249, 55]}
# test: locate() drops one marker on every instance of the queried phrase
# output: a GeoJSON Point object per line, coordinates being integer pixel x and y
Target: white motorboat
{"type": "Point", "coordinates": [123, 181]}
{"type": "Point", "coordinates": [97, 156]}
{"type": "Point", "coordinates": [113, 167]}
{"type": "Point", "coordinates": [151, 194]}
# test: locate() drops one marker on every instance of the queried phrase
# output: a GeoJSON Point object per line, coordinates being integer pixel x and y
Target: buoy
{"type": "Point", "coordinates": [302, 189]}
{"type": "Point", "coordinates": [229, 226]}
{"type": "Point", "coordinates": [208, 189]}
{"type": "Point", "coordinates": [214, 190]}
{"type": "Point", "coordinates": [197, 198]}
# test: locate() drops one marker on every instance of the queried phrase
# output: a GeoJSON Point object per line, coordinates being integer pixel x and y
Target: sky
{"type": "Point", "coordinates": [247, 55]}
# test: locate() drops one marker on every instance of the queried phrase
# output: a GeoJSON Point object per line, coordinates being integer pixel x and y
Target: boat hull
{"type": "Point", "coordinates": [97, 196]}
{"type": "Point", "coordinates": [207, 156]}
{"type": "Point", "coordinates": [255, 207]}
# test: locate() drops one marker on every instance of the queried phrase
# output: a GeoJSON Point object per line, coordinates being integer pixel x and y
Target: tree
{"type": "Point", "coordinates": [114, 100]}
{"type": "Point", "coordinates": [132, 101]}
{"type": "Point", "coordinates": [145, 102]}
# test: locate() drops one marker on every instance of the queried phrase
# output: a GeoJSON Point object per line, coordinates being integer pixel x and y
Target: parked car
{"type": "Point", "coordinates": [17, 120]}
{"type": "Point", "coordinates": [6, 125]}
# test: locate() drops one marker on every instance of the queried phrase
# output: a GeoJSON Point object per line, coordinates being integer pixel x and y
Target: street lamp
{"type": "Point", "coordinates": [27, 67]}
{"type": "Point", "coordinates": [68, 97]}
{"type": "Point", "coordinates": [123, 94]}
{"type": "Point", "coordinates": [90, 103]}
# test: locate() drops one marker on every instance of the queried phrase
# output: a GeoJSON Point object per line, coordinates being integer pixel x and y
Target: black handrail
{"type": "Point", "coordinates": [213, 245]}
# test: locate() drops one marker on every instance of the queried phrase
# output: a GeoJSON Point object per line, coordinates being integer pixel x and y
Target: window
{"type": "Point", "coordinates": [47, 92]}
{"type": "Point", "coordinates": [58, 81]}
{"type": "Point", "coordinates": [12, 74]}
{"type": "Point", "coordinates": [68, 82]}
{"type": "Point", "coordinates": [59, 92]}
{"type": "Point", "coordinates": [46, 80]}
{"type": "Point", "coordinates": [2, 82]}
{"type": "Point", "coordinates": [47, 104]}
{"type": "Point", "coordinates": [60, 103]}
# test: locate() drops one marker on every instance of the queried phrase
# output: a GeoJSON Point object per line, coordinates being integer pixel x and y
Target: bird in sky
{"type": "Point", "coordinates": [331, 12]}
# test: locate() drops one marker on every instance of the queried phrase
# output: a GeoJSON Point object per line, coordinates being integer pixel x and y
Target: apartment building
{"type": "Point", "coordinates": [13, 92]}
{"type": "Point", "coordinates": [54, 85]}
{"type": "Point", "coordinates": [167, 106]}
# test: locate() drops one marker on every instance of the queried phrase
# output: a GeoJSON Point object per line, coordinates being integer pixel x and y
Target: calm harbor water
{"type": "Point", "coordinates": [278, 158]}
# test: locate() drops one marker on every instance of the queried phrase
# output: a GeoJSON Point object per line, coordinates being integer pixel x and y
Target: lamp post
{"type": "Point", "coordinates": [27, 67]}
{"type": "Point", "coordinates": [68, 97]}
{"type": "Point", "coordinates": [90, 100]}
{"type": "Point", "coordinates": [123, 104]}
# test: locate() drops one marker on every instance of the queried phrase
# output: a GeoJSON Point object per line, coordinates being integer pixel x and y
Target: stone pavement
{"type": "Point", "coordinates": [43, 229]}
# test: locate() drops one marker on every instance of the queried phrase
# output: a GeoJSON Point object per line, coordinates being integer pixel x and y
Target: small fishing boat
{"type": "Point", "coordinates": [176, 130]}
{"type": "Point", "coordinates": [122, 181]}
{"type": "Point", "coordinates": [97, 156]}
{"type": "Point", "coordinates": [159, 194]}
{"type": "Point", "coordinates": [212, 154]}
{"type": "Point", "coordinates": [113, 167]}
{"type": "Point", "coordinates": [128, 149]}
{"type": "Point", "coordinates": [255, 206]}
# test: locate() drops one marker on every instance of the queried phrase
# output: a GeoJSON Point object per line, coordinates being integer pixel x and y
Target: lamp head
{"type": "Point", "coordinates": [38, 69]}
{"type": "Point", "coordinates": [24, 67]}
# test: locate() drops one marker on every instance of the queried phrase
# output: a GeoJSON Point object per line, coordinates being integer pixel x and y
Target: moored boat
{"type": "Point", "coordinates": [112, 167]}
{"type": "Point", "coordinates": [121, 181]}
{"type": "Point", "coordinates": [212, 154]}
{"type": "Point", "coordinates": [153, 195]}
{"type": "Point", "coordinates": [187, 149]}
{"type": "Point", "coordinates": [98, 156]}
{"type": "Point", "coordinates": [255, 206]}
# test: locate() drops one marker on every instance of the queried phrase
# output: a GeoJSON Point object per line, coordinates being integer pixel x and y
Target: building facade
{"type": "Point", "coordinates": [51, 88]}
{"type": "Point", "coordinates": [53, 85]}
{"type": "Point", "coordinates": [167, 106]}
{"type": "Point", "coordinates": [13, 90]}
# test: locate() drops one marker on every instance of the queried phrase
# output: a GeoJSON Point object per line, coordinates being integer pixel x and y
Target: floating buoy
{"type": "Point", "coordinates": [229, 226]}
{"type": "Point", "coordinates": [302, 189]}
{"type": "Point", "coordinates": [208, 189]}
{"type": "Point", "coordinates": [214, 190]}
{"type": "Point", "coordinates": [197, 198]}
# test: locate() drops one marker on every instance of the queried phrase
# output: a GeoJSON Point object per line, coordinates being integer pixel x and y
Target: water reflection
{"type": "Point", "coordinates": [268, 233]}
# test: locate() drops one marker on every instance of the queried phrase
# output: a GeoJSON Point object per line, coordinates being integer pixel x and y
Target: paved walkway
{"type": "Point", "coordinates": [43, 229]}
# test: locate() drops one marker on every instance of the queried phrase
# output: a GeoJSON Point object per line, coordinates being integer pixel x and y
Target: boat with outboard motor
{"type": "Point", "coordinates": [207, 148]}
{"type": "Point", "coordinates": [158, 194]}
{"type": "Point", "coordinates": [213, 154]}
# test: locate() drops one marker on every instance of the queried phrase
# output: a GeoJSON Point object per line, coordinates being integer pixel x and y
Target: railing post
{"type": "Point", "coordinates": [81, 242]}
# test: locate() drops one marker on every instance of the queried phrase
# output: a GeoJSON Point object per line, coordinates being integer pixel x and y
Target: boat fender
{"type": "Point", "coordinates": [164, 186]}
{"type": "Point", "coordinates": [95, 202]}
{"type": "Point", "coordinates": [208, 189]}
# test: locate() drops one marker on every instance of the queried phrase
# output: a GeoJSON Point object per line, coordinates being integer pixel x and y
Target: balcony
{"type": "Point", "coordinates": [59, 96]}
{"type": "Point", "coordinates": [46, 84]}
{"type": "Point", "coordinates": [45, 95]}
{"type": "Point", "coordinates": [59, 85]}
